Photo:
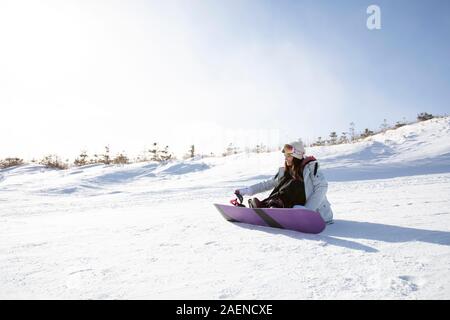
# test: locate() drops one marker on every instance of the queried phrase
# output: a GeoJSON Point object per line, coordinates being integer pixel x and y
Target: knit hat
{"type": "Point", "coordinates": [296, 149]}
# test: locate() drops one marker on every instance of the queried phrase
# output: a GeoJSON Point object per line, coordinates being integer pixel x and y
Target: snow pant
{"type": "Point", "coordinates": [287, 195]}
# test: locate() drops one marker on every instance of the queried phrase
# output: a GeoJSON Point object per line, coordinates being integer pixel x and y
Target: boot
{"type": "Point", "coordinates": [255, 203]}
{"type": "Point", "coordinates": [275, 203]}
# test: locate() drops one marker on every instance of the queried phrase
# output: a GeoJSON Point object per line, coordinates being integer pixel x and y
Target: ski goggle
{"type": "Point", "coordinates": [288, 149]}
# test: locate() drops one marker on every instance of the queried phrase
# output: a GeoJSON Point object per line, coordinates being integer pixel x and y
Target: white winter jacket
{"type": "Point", "coordinates": [316, 187]}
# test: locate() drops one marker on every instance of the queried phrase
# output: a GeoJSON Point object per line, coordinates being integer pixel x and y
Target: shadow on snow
{"type": "Point", "coordinates": [334, 233]}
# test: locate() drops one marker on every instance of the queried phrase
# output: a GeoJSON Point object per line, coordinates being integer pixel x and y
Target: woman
{"type": "Point", "coordinates": [298, 184]}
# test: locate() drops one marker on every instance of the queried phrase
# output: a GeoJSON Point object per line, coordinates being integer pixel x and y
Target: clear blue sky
{"type": "Point", "coordinates": [83, 74]}
{"type": "Point", "coordinates": [395, 72]}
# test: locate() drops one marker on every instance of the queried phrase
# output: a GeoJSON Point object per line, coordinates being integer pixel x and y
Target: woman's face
{"type": "Point", "coordinates": [289, 159]}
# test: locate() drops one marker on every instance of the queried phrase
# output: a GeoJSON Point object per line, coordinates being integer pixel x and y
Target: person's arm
{"type": "Point", "coordinates": [259, 187]}
{"type": "Point", "coordinates": [320, 187]}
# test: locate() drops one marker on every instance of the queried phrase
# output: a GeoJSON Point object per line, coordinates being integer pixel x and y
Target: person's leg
{"type": "Point", "coordinates": [255, 203]}
{"type": "Point", "coordinates": [275, 203]}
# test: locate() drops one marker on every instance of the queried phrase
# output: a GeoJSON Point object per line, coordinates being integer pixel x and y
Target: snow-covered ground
{"type": "Point", "coordinates": [145, 231]}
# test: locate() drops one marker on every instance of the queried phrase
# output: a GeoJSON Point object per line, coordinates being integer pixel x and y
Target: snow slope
{"type": "Point", "coordinates": [421, 148]}
{"type": "Point", "coordinates": [149, 231]}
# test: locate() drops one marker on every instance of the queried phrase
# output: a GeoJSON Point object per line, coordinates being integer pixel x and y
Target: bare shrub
{"type": "Point", "coordinates": [81, 160]}
{"type": "Point", "coordinates": [54, 162]}
{"type": "Point", "coordinates": [120, 159]}
{"type": "Point", "coordinates": [10, 162]}
{"type": "Point", "coordinates": [424, 116]}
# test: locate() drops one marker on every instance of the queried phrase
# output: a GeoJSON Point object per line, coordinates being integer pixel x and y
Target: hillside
{"type": "Point", "coordinates": [149, 231]}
